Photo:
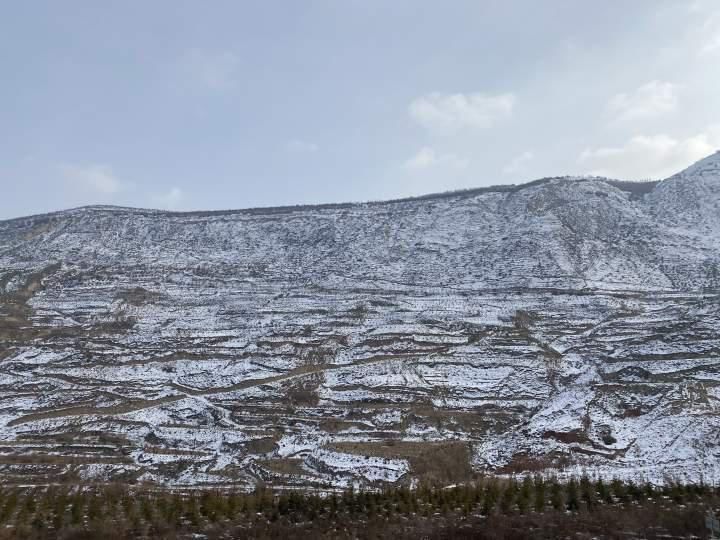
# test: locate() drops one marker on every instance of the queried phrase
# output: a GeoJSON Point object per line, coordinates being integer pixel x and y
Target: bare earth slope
{"type": "Point", "coordinates": [564, 325]}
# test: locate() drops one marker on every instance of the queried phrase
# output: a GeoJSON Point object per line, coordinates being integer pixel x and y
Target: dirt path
{"type": "Point", "coordinates": [298, 373]}
{"type": "Point", "coordinates": [86, 410]}
{"type": "Point", "coordinates": [138, 405]}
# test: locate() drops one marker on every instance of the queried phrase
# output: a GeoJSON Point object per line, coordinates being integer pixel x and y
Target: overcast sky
{"type": "Point", "coordinates": [210, 105]}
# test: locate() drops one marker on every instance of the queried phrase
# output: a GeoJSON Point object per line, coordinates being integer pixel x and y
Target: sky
{"type": "Point", "coordinates": [187, 105]}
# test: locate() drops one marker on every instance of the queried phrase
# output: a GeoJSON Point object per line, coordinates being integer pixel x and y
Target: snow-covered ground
{"type": "Point", "coordinates": [566, 325]}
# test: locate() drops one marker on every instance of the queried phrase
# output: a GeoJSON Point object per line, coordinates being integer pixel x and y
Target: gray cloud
{"type": "Point", "coordinates": [448, 113]}
{"type": "Point", "coordinates": [654, 98]}
{"type": "Point", "coordinates": [97, 179]}
{"type": "Point", "coordinates": [204, 99]}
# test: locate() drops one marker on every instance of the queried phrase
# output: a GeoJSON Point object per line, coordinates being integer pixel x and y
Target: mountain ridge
{"type": "Point", "coordinates": [629, 186]}
{"type": "Point", "coordinates": [563, 326]}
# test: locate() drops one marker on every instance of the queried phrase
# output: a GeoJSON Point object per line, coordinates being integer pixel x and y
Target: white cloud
{"type": "Point", "coordinates": [702, 7]}
{"type": "Point", "coordinates": [427, 158]}
{"type": "Point", "coordinates": [709, 31]}
{"type": "Point", "coordinates": [518, 163]}
{"type": "Point", "coordinates": [170, 200]}
{"type": "Point", "coordinates": [653, 156]}
{"type": "Point", "coordinates": [444, 114]}
{"type": "Point", "coordinates": [213, 70]}
{"type": "Point", "coordinates": [94, 177]}
{"type": "Point", "coordinates": [651, 99]}
{"type": "Point", "coordinates": [711, 43]}
{"type": "Point", "coordinates": [298, 146]}
{"type": "Point", "coordinates": [706, 34]}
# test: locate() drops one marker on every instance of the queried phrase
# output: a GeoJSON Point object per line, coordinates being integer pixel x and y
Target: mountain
{"type": "Point", "coordinates": [567, 325]}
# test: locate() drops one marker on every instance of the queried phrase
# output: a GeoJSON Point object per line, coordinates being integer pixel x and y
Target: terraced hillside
{"type": "Point", "coordinates": [568, 325]}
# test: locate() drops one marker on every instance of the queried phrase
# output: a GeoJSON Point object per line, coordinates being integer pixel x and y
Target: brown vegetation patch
{"type": "Point", "coordinates": [523, 462]}
{"type": "Point", "coordinates": [138, 296]}
{"type": "Point", "coordinates": [55, 459]}
{"type": "Point", "coordinates": [442, 462]}
{"type": "Point", "coordinates": [286, 466]}
{"type": "Point", "coordinates": [566, 437]}
{"type": "Point", "coordinates": [261, 446]}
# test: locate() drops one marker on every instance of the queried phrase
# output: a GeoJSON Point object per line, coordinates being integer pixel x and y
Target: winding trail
{"type": "Point", "coordinates": [187, 391]}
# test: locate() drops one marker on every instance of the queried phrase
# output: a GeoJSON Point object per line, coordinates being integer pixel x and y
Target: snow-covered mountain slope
{"type": "Point", "coordinates": [568, 324]}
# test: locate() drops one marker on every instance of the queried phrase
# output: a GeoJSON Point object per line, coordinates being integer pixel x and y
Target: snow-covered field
{"type": "Point", "coordinates": [565, 326]}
